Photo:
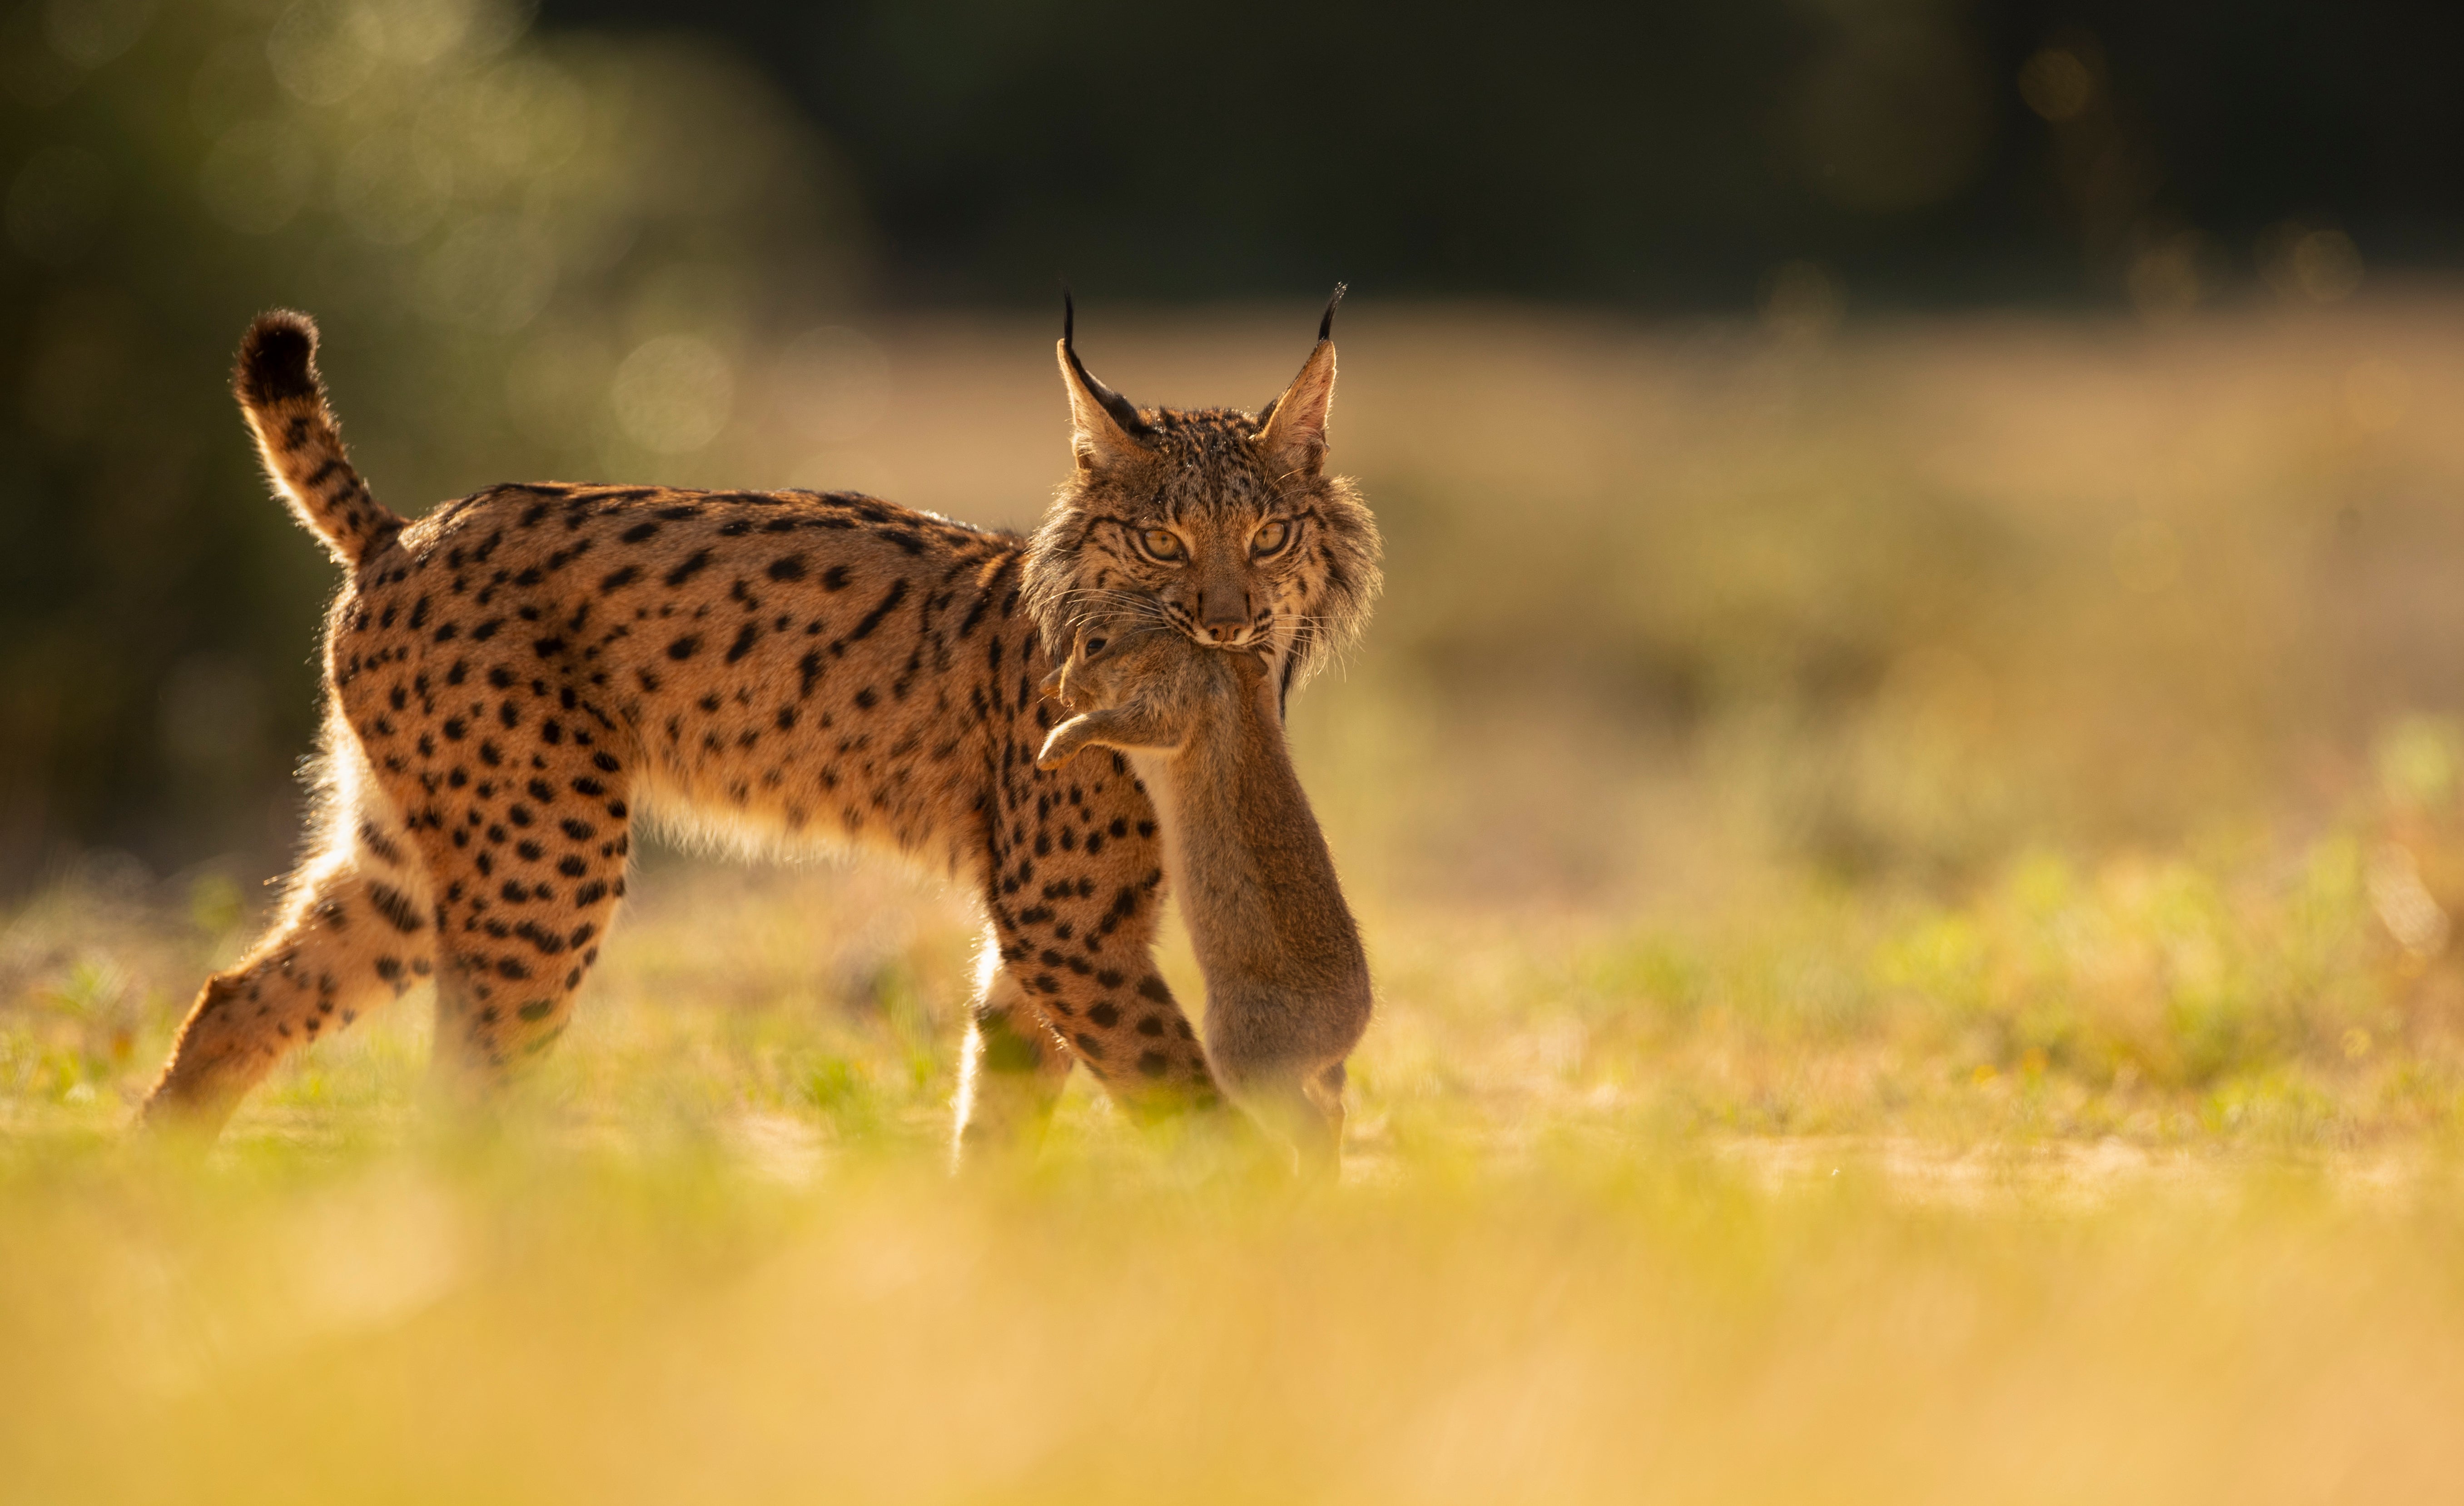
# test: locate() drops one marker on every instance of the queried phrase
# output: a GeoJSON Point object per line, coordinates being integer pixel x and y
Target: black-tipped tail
{"type": "Point", "coordinates": [277, 359]}
{"type": "Point", "coordinates": [284, 398]}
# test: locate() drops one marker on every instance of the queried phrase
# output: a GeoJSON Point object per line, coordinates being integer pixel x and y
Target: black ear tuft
{"type": "Point", "coordinates": [1326, 322]}
{"type": "Point", "coordinates": [277, 359]}
{"type": "Point", "coordinates": [1124, 412]}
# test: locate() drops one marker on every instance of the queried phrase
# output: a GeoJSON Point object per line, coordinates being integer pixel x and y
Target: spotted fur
{"type": "Point", "coordinates": [517, 678]}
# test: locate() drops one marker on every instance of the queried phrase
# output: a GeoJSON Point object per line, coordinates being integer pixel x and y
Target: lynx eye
{"type": "Point", "coordinates": [1271, 535]}
{"type": "Point", "coordinates": [1161, 542]}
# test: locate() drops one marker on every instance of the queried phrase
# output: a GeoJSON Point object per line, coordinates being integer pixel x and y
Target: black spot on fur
{"type": "Point", "coordinates": [396, 906]}
{"type": "Point", "coordinates": [871, 620]}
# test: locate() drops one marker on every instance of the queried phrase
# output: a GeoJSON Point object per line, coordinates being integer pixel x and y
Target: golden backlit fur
{"type": "Point", "coordinates": [514, 678]}
{"type": "Point", "coordinates": [1210, 485]}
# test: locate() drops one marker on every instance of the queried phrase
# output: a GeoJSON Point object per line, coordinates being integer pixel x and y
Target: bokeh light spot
{"type": "Point", "coordinates": [1802, 302]}
{"type": "Point", "coordinates": [318, 54]}
{"type": "Point", "coordinates": [530, 115]}
{"type": "Point", "coordinates": [673, 394]}
{"type": "Point", "coordinates": [2171, 275]}
{"type": "Point", "coordinates": [493, 272]}
{"type": "Point", "coordinates": [2417, 759]}
{"type": "Point", "coordinates": [2310, 263]}
{"type": "Point", "coordinates": [2328, 265]}
{"type": "Point", "coordinates": [2056, 84]}
{"type": "Point", "coordinates": [258, 176]}
{"type": "Point", "coordinates": [413, 30]}
{"type": "Point", "coordinates": [393, 188]}
{"type": "Point", "coordinates": [92, 33]}
{"type": "Point", "coordinates": [2405, 904]}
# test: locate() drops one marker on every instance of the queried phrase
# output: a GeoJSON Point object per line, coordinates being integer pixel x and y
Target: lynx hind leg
{"type": "Point", "coordinates": [357, 930]}
{"type": "Point", "coordinates": [1124, 726]}
{"type": "Point", "coordinates": [530, 874]}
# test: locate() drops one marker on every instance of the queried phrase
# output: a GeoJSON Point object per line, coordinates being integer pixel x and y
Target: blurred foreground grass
{"type": "Point", "coordinates": [1909, 878]}
{"type": "Point", "coordinates": [2130, 1181]}
{"type": "Point", "coordinates": [532, 1326]}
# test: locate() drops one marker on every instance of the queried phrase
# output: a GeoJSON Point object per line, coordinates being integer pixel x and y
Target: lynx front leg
{"type": "Point", "coordinates": [1075, 896]}
{"type": "Point", "coordinates": [1091, 978]}
{"type": "Point", "coordinates": [1011, 1071]}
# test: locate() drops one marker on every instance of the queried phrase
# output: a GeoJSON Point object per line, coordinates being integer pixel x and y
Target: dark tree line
{"type": "Point", "coordinates": [1665, 153]}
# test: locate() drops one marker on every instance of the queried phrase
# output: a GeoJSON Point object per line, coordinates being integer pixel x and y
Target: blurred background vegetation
{"type": "Point", "coordinates": [1867, 439]}
{"type": "Point", "coordinates": [1907, 796]}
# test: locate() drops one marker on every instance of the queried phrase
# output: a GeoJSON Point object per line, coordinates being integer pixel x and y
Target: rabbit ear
{"type": "Point", "coordinates": [1293, 435]}
{"type": "Point", "coordinates": [1106, 427]}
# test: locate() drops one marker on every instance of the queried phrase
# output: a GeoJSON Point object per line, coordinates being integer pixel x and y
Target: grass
{"type": "Point", "coordinates": [1908, 881]}
{"type": "Point", "coordinates": [2134, 1182]}
{"type": "Point", "coordinates": [540, 1327]}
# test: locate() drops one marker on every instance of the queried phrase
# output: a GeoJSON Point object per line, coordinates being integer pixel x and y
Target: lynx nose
{"type": "Point", "coordinates": [1224, 617]}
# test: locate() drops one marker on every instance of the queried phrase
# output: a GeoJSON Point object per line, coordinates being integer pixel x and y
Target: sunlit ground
{"type": "Point", "coordinates": [1908, 874]}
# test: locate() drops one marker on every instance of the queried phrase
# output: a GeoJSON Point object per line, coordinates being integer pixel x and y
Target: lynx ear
{"type": "Point", "coordinates": [1109, 430]}
{"type": "Point", "coordinates": [1293, 431]}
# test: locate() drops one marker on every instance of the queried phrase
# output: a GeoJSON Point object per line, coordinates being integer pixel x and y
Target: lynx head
{"type": "Point", "coordinates": [1214, 523]}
